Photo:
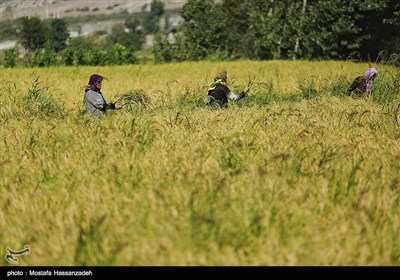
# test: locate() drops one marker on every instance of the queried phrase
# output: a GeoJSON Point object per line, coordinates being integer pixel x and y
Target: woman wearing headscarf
{"type": "Point", "coordinates": [219, 93]}
{"type": "Point", "coordinates": [94, 100]}
{"type": "Point", "coordinates": [363, 84]}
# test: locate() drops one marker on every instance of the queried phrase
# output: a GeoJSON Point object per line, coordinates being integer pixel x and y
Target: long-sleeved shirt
{"type": "Point", "coordinates": [363, 84]}
{"type": "Point", "coordinates": [359, 84]}
{"type": "Point", "coordinates": [220, 94]}
{"type": "Point", "coordinates": [95, 103]}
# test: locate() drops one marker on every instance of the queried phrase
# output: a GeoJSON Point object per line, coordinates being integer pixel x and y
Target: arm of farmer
{"type": "Point", "coordinates": [236, 97]}
{"type": "Point", "coordinates": [115, 106]}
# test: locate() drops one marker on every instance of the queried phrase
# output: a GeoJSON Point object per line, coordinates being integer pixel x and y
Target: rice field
{"type": "Point", "coordinates": [297, 173]}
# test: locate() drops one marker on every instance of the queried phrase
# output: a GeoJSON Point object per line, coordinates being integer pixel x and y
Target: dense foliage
{"type": "Point", "coordinates": [221, 30]}
{"type": "Point", "coordinates": [286, 29]}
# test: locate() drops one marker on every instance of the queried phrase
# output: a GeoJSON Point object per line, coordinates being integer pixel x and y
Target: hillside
{"type": "Point", "coordinates": [73, 8]}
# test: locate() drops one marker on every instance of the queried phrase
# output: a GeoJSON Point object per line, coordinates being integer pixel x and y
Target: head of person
{"type": "Point", "coordinates": [371, 74]}
{"type": "Point", "coordinates": [221, 74]}
{"type": "Point", "coordinates": [95, 82]}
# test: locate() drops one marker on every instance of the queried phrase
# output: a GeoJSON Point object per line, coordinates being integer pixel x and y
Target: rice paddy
{"type": "Point", "coordinates": [297, 173]}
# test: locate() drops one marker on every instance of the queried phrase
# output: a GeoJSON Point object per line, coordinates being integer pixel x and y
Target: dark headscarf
{"type": "Point", "coordinates": [94, 79]}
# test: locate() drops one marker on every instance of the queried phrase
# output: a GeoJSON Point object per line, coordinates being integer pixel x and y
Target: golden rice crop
{"type": "Point", "coordinates": [295, 174]}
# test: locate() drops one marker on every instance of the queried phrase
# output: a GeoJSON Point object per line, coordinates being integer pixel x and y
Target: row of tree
{"type": "Point", "coordinates": [47, 42]}
{"type": "Point", "coordinates": [284, 29]}
{"type": "Point", "coordinates": [44, 57]}
{"type": "Point", "coordinates": [227, 29]}
{"type": "Point", "coordinates": [34, 33]}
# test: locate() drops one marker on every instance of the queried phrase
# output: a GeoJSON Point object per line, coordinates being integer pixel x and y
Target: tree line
{"type": "Point", "coordinates": [284, 29]}
{"type": "Point", "coordinates": [47, 42]}
{"type": "Point", "coordinates": [224, 30]}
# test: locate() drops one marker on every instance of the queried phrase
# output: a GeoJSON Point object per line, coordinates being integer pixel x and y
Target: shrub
{"type": "Point", "coordinates": [10, 58]}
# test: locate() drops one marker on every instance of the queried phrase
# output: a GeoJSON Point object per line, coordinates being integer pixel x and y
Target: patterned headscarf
{"type": "Point", "coordinates": [368, 75]}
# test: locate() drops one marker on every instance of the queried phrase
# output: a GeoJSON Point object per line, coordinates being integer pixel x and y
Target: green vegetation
{"type": "Point", "coordinates": [297, 173]}
{"type": "Point", "coordinates": [8, 29]}
{"type": "Point", "coordinates": [229, 30]}
{"type": "Point", "coordinates": [286, 29]}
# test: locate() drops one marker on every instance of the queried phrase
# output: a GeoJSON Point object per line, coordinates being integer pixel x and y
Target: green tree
{"type": "Point", "coordinates": [129, 35]}
{"type": "Point", "coordinates": [82, 42]}
{"type": "Point", "coordinates": [68, 56]}
{"type": "Point", "coordinates": [34, 33]}
{"type": "Point", "coordinates": [332, 31]}
{"type": "Point", "coordinates": [202, 27]}
{"type": "Point", "coordinates": [380, 27]}
{"type": "Point", "coordinates": [152, 18]}
{"type": "Point", "coordinates": [59, 34]}
{"type": "Point", "coordinates": [235, 28]}
{"type": "Point", "coordinates": [119, 55]}
{"type": "Point", "coordinates": [10, 58]}
{"type": "Point", "coordinates": [43, 57]}
{"type": "Point", "coordinates": [286, 29]}
{"type": "Point", "coordinates": [8, 29]}
{"type": "Point", "coordinates": [279, 28]}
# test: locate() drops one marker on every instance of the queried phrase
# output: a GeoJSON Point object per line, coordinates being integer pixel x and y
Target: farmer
{"type": "Point", "coordinates": [363, 84]}
{"type": "Point", "coordinates": [219, 93]}
{"type": "Point", "coordinates": [94, 100]}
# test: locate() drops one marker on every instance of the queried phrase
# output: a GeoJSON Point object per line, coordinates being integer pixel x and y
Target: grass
{"type": "Point", "coordinates": [295, 174]}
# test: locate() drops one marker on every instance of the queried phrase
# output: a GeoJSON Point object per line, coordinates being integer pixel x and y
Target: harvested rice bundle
{"type": "Point", "coordinates": [137, 97]}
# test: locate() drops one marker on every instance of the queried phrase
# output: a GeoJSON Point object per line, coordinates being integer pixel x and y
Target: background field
{"type": "Point", "coordinates": [295, 174]}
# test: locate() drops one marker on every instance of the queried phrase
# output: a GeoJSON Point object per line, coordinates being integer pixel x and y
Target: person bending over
{"type": "Point", "coordinates": [363, 84]}
{"type": "Point", "coordinates": [219, 93]}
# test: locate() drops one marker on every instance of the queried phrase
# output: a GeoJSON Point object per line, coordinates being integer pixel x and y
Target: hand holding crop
{"type": "Point", "coordinates": [118, 106]}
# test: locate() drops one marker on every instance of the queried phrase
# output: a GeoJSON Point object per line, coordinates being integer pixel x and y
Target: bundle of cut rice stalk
{"type": "Point", "coordinates": [134, 98]}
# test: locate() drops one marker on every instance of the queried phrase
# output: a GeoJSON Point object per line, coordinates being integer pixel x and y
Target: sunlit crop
{"type": "Point", "coordinates": [297, 173]}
